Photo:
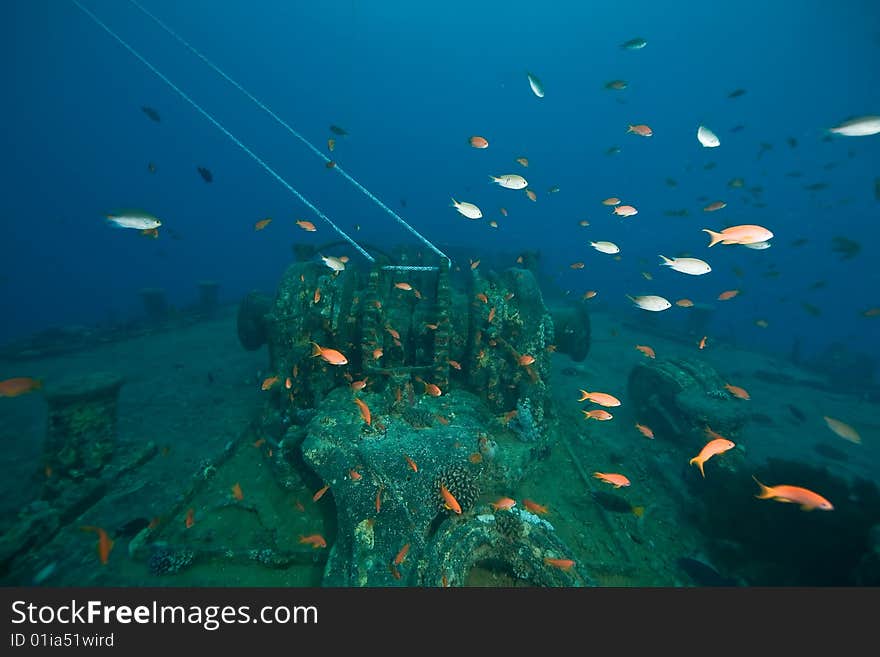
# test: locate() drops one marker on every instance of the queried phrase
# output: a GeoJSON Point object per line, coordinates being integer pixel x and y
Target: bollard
{"type": "Point", "coordinates": [208, 297]}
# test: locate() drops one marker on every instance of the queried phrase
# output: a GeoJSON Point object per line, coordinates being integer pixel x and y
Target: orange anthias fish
{"type": "Point", "coordinates": [359, 385]}
{"type": "Point", "coordinates": [577, 265]}
{"type": "Point", "coordinates": [365, 411]}
{"type": "Point", "coordinates": [449, 501]}
{"type": "Point", "coordinates": [597, 414]}
{"type": "Point", "coordinates": [262, 223]}
{"type": "Point", "coordinates": [236, 491]}
{"type": "Point", "coordinates": [403, 286]}
{"type": "Point", "coordinates": [736, 391]}
{"type": "Point", "coordinates": [684, 303]}
{"type": "Point", "coordinates": [795, 494]}
{"type": "Point", "coordinates": [431, 389]}
{"type": "Point", "coordinates": [491, 315]}
{"type": "Point", "coordinates": [411, 463]}
{"type": "Point", "coordinates": [320, 493]}
{"type": "Point", "coordinates": [355, 475]}
{"type": "Point", "coordinates": [611, 200]}
{"type": "Point", "coordinates": [19, 385]}
{"type": "Point", "coordinates": [105, 543]}
{"type": "Point", "coordinates": [269, 382]}
{"type": "Point", "coordinates": [727, 294]}
{"type": "Point", "coordinates": [641, 130]}
{"type": "Point", "coordinates": [401, 556]}
{"type": "Point", "coordinates": [616, 480]}
{"type": "Point", "coordinates": [482, 297]}
{"type": "Point", "coordinates": [710, 449]}
{"type": "Point", "coordinates": [315, 540]}
{"type": "Point", "coordinates": [702, 344]}
{"type": "Point", "coordinates": [534, 507]}
{"type": "Point", "coordinates": [646, 350]}
{"type": "Point", "coordinates": [562, 564]}
{"type": "Point", "coordinates": [379, 498]}
{"type": "Point", "coordinates": [503, 504]}
{"type": "Point", "coordinates": [601, 398]}
{"type": "Point", "coordinates": [454, 364]}
{"type": "Point", "coordinates": [317, 296]}
{"type": "Point", "coordinates": [475, 264]}
{"type": "Point", "coordinates": [190, 517]}
{"type": "Point", "coordinates": [306, 226]}
{"type": "Point", "coordinates": [330, 355]}
{"type": "Point", "coordinates": [526, 359]}
{"type": "Point", "coordinates": [478, 142]}
{"type": "Point", "coordinates": [843, 430]}
{"type": "Point", "coordinates": [645, 431]}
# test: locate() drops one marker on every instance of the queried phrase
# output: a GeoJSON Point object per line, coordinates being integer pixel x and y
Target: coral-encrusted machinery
{"type": "Point", "coordinates": [444, 389]}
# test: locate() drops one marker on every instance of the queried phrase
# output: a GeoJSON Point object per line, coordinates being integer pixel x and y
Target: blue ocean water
{"type": "Point", "coordinates": [410, 83]}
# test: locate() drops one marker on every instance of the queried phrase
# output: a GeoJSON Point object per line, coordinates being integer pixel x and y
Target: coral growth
{"type": "Point", "coordinates": [459, 481]}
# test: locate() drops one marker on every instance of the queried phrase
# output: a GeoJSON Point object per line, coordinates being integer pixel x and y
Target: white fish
{"type": "Point", "coordinates": [535, 84]}
{"type": "Point", "coordinates": [333, 262]}
{"type": "Point", "coordinates": [606, 247]}
{"type": "Point", "coordinates": [692, 266]}
{"type": "Point", "coordinates": [510, 181]}
{"type": "Point", "coordinates": [758, 245]}
{"type": "Point", "coordinates": [650, 302]}
{"type": "Point", "coordinates": [707, 138]}
{"type": "Point", "coordinates": [469, 210]}
{"type": "Point", "coordinates": [137, 219]}
{"type": "Point", "coordinates": [861, 126]}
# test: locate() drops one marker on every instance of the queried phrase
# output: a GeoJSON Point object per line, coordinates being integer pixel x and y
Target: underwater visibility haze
{"type": "Point", "coordinates": [405, 294]}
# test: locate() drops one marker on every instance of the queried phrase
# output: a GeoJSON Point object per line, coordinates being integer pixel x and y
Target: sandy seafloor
{"type": "Point", "coordinates": [168, 398]}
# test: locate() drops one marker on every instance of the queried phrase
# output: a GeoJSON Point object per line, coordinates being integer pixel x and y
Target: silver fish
{"type": "Point", "coordinates": [137, 219]}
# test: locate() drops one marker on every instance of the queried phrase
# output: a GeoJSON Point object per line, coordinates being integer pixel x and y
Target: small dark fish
{"type": "Point", "coordinates": [704, 574]}
{"type": "Point", "coordinates": [737, 128]}
{"type": "Point", "coordinates": [792, 142]}
{"type": "Point", "coordinates": [815, 311]}
{"type": "Point", "coordinates": [210, 378]}
{"type": "Point", "coordinates": [736, 93]}
{"type": "Point", "coordinates": [830, 452]}
{"type": "Point", "coordinates": [617, 85]}
{"type": "Point", "coordinates": [797, 413]}
{"type": "Point", "coordinates": [817, 285]}
{"type": "Point", "coordinates": [877, 188]}
{"type": "Point", "coordinates": [800, 241]}
{"type": "Point", "coordinates": [815, 187]}
{"type": "Point", "coordinates": [794, 174]}
{"type": "Point", "coordinates": [771, 274]}
{"type": "Point", "coordinates": [739, 273]}
{"type": "Point", "coordinates": [709, 166]}
{"type": "Point", "coordinates": [206, 175]}
{"type": "Point", "coordinates": [403, 202]}
{"type": "Point", "coordinates": [846, 248]}
{"type": "Point", "coordinates": [613, 150]}
{"type": "Point", "coordinates": [829, 166]}
{"type": "Point", "coordinates": [336, 130]}
{"type": "Point", "coordinates": [151, 167]}
{"type": "Point", "coordinates": [612, 502]}
{"type": "Point", "coordinates": [132, 527]}
{"type": "Point", "coordinates": [763, 149]}
{"type": "Point", "coordinates": [153, 114]}
{"type": "Point", "coordinates": [634, 44]}
{"type": "Point", "coordinates": [677, 213]}
{"type": "Point", "coordinates": [569, 371]}
{"type": "Point", "coordinates": [736, 183]}
{"type": "Point", "coordinates": [671, 182]}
